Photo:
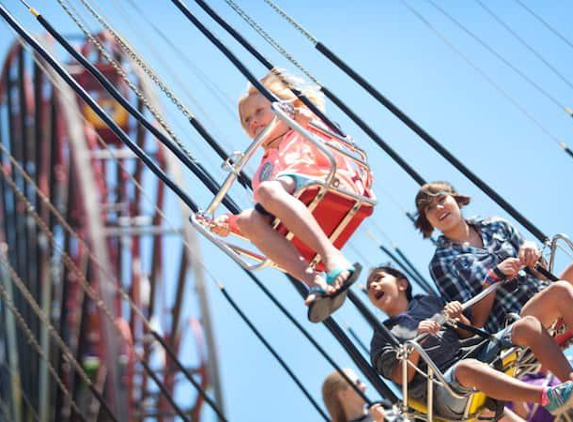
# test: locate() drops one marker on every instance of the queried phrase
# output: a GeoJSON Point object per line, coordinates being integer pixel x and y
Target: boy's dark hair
{"type": "Point", "coordinates": [427, 193]}
{"type": "Point", "coordinates": [388, 269]}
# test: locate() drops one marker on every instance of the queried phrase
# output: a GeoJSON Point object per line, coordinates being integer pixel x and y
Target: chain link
{"type": "Point", "coordinates": [46, 230]}
{"type": "Point", "coordinates": [17, 281]}
{"type": "Point", "coordinates": [67, 260]}
{"type": "Point", "coordinates": [138, 186]}
{"type": "Point", "coordinates": [270, 40]}
{"type": "Point", "coordinates": [148, 71]}
{"type": "Point", "coordinates": [292, 22]}
{"type": "Point", "coordinates": [70, 264]}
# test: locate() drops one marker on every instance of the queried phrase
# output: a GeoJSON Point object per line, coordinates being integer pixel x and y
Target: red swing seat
{"type": "Point", "coordinates": [336, 216]}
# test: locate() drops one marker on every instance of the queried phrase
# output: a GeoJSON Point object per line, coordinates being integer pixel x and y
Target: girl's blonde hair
{"type": "Point", "coordinates": [330, 387]}
{"type": "Point", "coordinates": [280, 83]}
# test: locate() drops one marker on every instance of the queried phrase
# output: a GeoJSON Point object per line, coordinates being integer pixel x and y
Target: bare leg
{"type": "Point", "coordinates": [552, 303]}
{"type": "Point", "coordinates": [257, 228]}
{"type": "Point", "coordinates": [471, 373]}
{"type": "Point", "coordinates": [567, 274]}
{"type": "Point", "coordinates": [277, 199]}
{"type": "Point", "coordinates": [529, 331]}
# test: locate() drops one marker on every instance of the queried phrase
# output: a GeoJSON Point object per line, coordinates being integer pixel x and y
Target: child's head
{"type": "Point", "coordinates": [338, 395]}
{"type": "Point", "coordinates": [254, 106]}
{"type": "Point", "coordinates": [427, 196]}
{"type": "Point", "coordinates": [388, 289]}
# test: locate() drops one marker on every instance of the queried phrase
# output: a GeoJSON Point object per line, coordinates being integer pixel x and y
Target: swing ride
{"type": "Point", "coordinates": [108, 275]}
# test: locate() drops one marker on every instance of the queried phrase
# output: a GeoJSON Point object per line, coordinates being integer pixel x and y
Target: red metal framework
{"type": "Point", "coordinates": [84, 170]}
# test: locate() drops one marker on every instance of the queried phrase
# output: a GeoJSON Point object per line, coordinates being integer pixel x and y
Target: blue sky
{"type": "Point", "coordinates": [420, 73]}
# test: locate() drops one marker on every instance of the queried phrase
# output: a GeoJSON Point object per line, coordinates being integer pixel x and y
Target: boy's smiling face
{"type": "Point", "coordinates": [443, 213]}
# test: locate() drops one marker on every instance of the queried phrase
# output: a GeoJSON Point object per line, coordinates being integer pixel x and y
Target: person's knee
{"type": "Point", "coordinates": [247, 219]}
{"type": "Point", "coordinates": [561, 289]}
{"type": "Point", "coordinates": [465, 371]}
{"type": "Point", "coordinates": [267, 192]}
{"type": "Point", "coordinates": [524, 329]}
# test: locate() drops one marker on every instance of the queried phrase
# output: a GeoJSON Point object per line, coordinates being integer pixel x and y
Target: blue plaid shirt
{"type": "Point", "coordinates": [459, 271]}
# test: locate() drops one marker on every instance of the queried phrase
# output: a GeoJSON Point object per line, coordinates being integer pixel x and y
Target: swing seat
{"type": "Point", "coordinates": [338, 212]}
{"type": "Point", "coordinates": [477, 403]}
{"type": "Point", "coordinates": [337, 215]}
{"type": "Point", "coordinates": [472, 406]}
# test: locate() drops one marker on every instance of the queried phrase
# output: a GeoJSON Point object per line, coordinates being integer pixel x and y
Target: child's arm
{"type": "Point", "coordinates": [454, 311]}
{"type": "Point", "coordinates": [505, 270]}
{"type": "Point", "coordinates": [414, 358]}
{"type": "Point", "coordinates": [384, 359]}
{"type": "Point", "coordinates": [427, 326]}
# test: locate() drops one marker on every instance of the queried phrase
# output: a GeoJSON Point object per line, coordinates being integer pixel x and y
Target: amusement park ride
{"type": "Point", "coordinates": [99, 291]}
{"type": "Point", "coordinates": [68, 183]}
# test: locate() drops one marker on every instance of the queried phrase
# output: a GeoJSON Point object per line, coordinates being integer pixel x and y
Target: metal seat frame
{"type": "Point", "coordinates": [245, 256]}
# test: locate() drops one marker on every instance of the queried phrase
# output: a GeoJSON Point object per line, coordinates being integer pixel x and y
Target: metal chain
{"type": "Point", "coordinates": [500, 57]}
{"type": "Point", "coordinates": [223, 97]}
{"type": "Point", "coordinates": [140, 62]}
{"type": "Point", "coordinates": [292, 21]}
{"type": "Point", "coordinates": [67, 259]}
{"type": "Point", "coordinates": [68, 262]}
{"type": "Point", "coordinates": [121, 72]}
{"type": "Point", "coordinates": [525, 44]}
{"type": "Point", "coordinates": [17, 281]}
{"type": "Point", "coordinates": [71, 266]}
{"type": "Point", "coordinates": [38, 348]}
{"type": "Point", "coordinates": [138, 186]}
{"type": "Point", "coordinates": [270, 40]}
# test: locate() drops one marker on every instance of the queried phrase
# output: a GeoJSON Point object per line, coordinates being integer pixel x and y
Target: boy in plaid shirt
{"type": "Point", "coordinates": [471, 254]}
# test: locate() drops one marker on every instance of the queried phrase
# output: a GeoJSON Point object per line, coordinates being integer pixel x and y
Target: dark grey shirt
{"type": "Point", "coordinates": [444, 349]}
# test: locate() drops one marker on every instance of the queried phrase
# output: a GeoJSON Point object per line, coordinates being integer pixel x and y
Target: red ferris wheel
{"type": "Point", "coordinates": [91, 255]}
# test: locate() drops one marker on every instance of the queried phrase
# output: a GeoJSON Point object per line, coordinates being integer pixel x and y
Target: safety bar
{"type": "Point", "coordinates": [553, 244]}
{"type": "Point", "coordinates": [468, 304]}
{"type": "Point", "coordinates": [348, 143]}
{"type": "Point", "coordinates": [238, 166]}
{"type": "Point", "coordinates": [433, 371]}
{"type": "Point", "coordinates": [201, 220]}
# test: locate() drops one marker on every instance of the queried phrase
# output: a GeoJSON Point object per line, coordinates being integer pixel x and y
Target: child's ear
{"type": "Point", "coordinates": [402, 284]}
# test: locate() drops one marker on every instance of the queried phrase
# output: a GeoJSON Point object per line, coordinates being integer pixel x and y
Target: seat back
{"type": "Point", "coordinates": [474, 407]}
{"type": "Point", "coordinates": [337, 214]}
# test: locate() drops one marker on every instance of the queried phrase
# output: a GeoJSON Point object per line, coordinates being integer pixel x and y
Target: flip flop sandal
{"type": "Point", "coordinates": [339, 296]}
{"type": "Point", "coordinates": [320, 308]}
{"type": "Point", "coordinates": [324, 306]}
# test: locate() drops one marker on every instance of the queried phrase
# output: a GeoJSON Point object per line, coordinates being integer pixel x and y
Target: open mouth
{"type": "Point", "coordinates": [378, 295]}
